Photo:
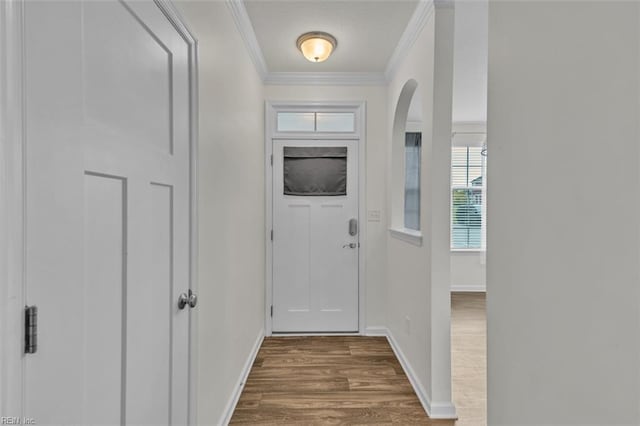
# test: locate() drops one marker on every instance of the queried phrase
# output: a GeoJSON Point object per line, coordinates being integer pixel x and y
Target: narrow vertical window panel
{"type": "Point", "coordinates": [468, 168]}
{"type": "Point", "coordinates": [296, 122]}
{"type": "Point", "coordinates": [335, 122]}
{"type": "Point", "coordinates": [413, 149]}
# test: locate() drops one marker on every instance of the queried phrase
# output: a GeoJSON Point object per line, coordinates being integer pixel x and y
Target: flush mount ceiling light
{"type": "Point", "coordinates": [316, 46]}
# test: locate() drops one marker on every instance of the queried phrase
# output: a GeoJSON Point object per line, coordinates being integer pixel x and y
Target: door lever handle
{"type": "Point", "coordinates": [350, 245]}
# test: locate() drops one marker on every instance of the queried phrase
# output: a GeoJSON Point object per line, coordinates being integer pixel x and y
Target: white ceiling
{"type": "Point", "coordinates": [367, 31]}
{"type": "Point", "coordinates": [373, 37]}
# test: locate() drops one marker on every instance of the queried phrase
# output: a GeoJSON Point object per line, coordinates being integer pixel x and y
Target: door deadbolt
{"type": "Point", "coordinates": [353, 227]}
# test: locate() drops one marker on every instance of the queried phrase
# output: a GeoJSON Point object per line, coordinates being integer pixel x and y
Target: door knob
{"type": "Point", "coordinates": [193, 299]}
{"type": "Point", "coordinates": [350, 245]}
{"type": "Point", "coordinates": [183, 299]}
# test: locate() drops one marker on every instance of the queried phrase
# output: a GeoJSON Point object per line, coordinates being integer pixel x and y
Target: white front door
{"type": "Point", "coordinates": [316, 236]}
{"type": "Point", "coordinates": [107, 213]}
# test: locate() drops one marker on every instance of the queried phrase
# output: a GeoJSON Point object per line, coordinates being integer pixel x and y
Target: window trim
{"type": "Point", "coordinates": [271, 119]}
{"type": "Point", "coordinates": [407, 235]}
{"type": "Point", "coordinates": [467, 250]}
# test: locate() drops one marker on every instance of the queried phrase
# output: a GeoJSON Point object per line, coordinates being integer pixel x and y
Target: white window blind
{"type": "Point", "coordinates": [468, 167]}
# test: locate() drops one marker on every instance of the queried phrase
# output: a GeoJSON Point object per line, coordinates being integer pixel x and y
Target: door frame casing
{"type": "Point", "coordinates": [359, 134]}
{"type": "Point", "coordinates": [13, 224]}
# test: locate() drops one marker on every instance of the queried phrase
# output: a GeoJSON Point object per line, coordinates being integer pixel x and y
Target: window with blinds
{"type": "Point", "coordinates": [468, 167]}
{"type": "Point", "coordinates": [413, 147]}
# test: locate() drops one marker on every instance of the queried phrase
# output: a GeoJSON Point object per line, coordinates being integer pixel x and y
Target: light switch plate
{"type": "Point", "coordinates": [373, 216]}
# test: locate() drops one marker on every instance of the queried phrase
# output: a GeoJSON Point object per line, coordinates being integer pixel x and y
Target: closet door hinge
{"type": "Point", "coordinates": [271, 311]}
{"type": "Point", "coordinates": [272, 235]}
{"type": "Point", "coordinates": [30, 329]}
{"type": "Point", "coordinates": [272, 159]}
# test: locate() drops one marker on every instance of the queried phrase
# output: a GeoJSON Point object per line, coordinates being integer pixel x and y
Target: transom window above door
{"type": "Point", "coordinates": [324, 122]}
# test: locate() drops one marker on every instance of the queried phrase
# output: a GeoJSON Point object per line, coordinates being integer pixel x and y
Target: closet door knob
{"type": "Point", "coordinates": [193, 299]}
{"type": "Point", "coordinates": [183, 299]}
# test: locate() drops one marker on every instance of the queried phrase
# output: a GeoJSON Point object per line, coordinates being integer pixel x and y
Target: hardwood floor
{"type": "Point", "coordinates": [320, 380]}
{"type": "Point", "coordinates": [469, 357]}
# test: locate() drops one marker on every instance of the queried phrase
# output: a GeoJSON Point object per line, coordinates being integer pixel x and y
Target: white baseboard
{"type": "Point", "coordinates": [443, 410]}
{"type": "Point", "coordinates": [469, 288]}
{"type": "Point", "coordinates": [436, 410]}
{"type": "Point", "coordinates": [411, 375]}
{"type": "Point", "coordinates": [376, 331]}
{"type": "Point", "coordinates": [235, 396]}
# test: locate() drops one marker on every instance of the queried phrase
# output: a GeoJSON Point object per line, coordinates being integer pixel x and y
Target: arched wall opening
{"type": "Point", "coordinates": [407, 117]}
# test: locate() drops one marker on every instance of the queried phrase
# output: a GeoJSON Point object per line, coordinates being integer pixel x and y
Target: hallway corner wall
{"type": "Point", "coordinates": [418, 277]}
{"type": "Point", "coordinates": [231, 206]}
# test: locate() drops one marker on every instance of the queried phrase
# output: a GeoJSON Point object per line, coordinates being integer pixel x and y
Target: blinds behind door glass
{"type": "Point", "coordinates": [315, 171]}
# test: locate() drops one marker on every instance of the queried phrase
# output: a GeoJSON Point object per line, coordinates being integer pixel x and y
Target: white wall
{"type": "Point", "coordinates": [418, 277]}
{"type": "Point", "coordinates": [563, 296]}
{"type": "Point", "coordinates": [375, 146]}
{"type": "Point", "coordinates": [231, 205]}
{"type": "Point", "coordinates": [470, 61]}
{"type": "Point", "coordinates": [468, 271]}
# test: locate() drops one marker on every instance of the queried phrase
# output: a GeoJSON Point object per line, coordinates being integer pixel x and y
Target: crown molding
{"type": "Point", "coordinates": [421, 15]}
{"type": "Point", "coordinates": [418, 20]}
{"type": "Point", "coordinates": [325, 78]}
{"type": "Point", "coordinates": [243, 23]}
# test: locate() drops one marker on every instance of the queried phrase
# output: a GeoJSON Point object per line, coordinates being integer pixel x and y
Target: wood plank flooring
{"type": "Point", "coordinates": [319, 380]}
{"type": "Point", "coordinates": [358, 380]}
{"type": "Point", "coordinates": [469, 357]}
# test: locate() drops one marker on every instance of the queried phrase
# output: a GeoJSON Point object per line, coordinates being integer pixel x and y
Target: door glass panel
{"type": "Point", "coordinates": [315, 171]}
{"type": "Point", "coordinates": [296, 122]}
{"type": "Point", "coordinates": [335, 122]}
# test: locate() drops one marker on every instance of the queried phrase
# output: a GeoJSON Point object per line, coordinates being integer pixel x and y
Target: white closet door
{"type": "Point", "coordinates": [107, 95]}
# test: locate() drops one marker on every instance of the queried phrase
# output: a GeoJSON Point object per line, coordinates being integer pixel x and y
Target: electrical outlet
{"type": "Point", "coordinates": [407, 325]}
